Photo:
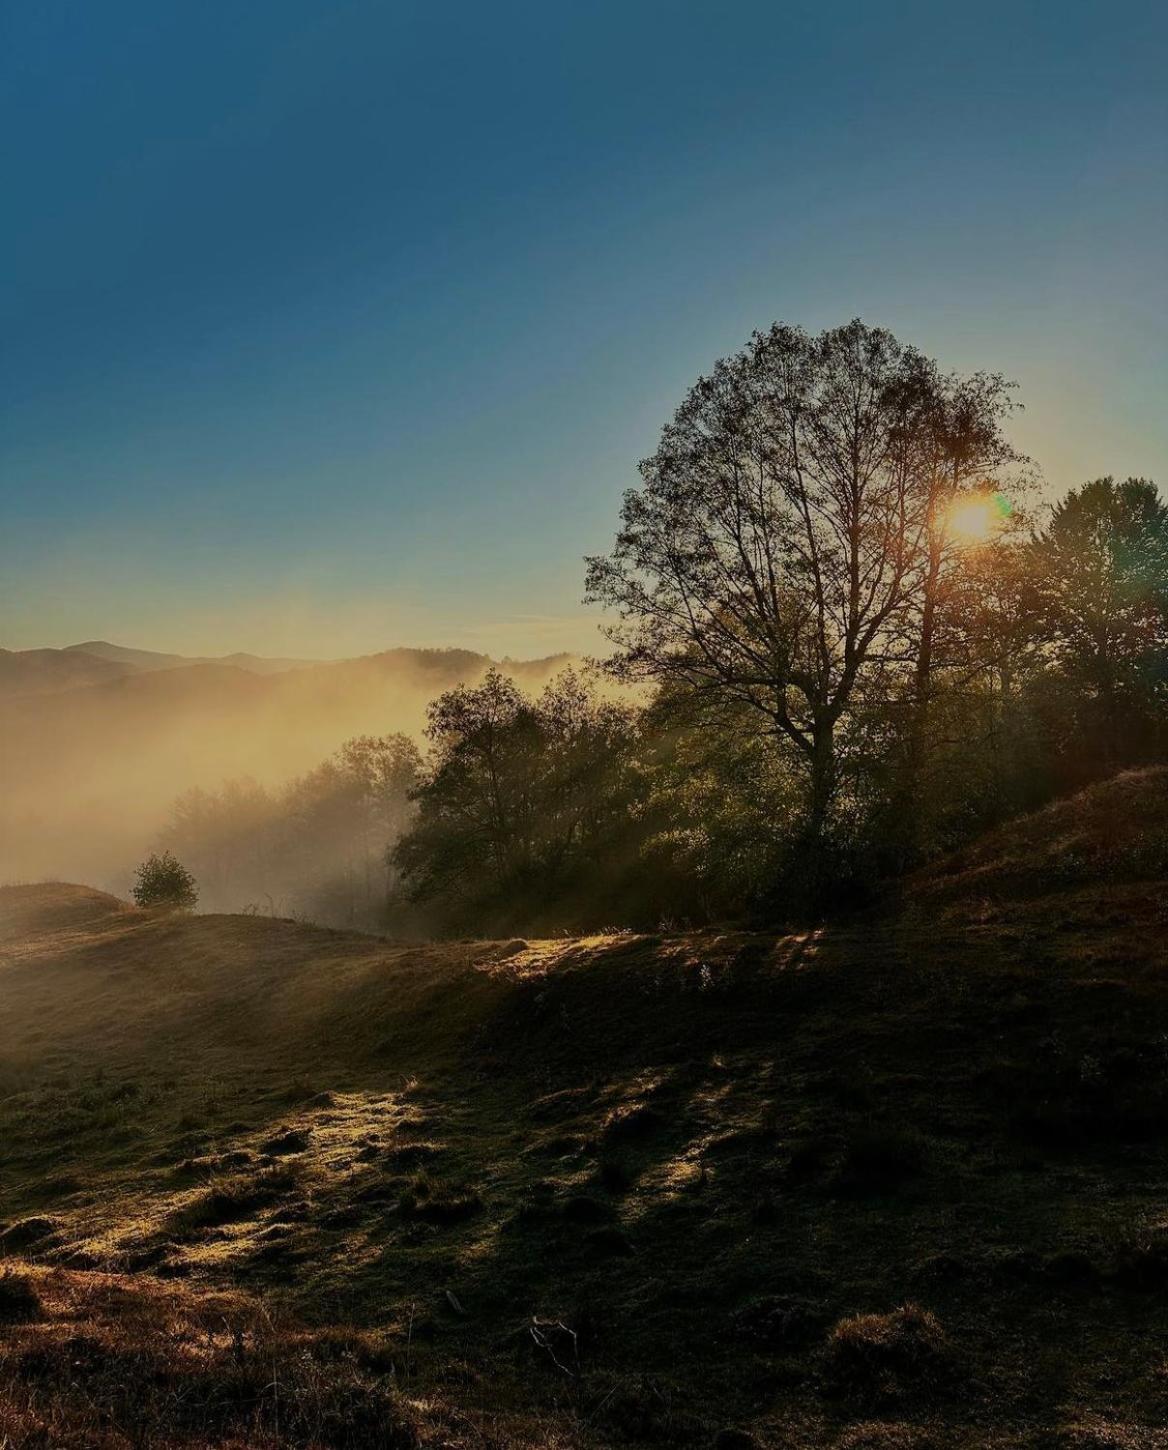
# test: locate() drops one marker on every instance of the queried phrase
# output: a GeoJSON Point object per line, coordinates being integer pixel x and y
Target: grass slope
{"type": "Point", "coordinates": [896, 1185]}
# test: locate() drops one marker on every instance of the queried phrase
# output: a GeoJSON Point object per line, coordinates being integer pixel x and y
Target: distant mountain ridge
{"type": "Point", "coordinates": [99, 662]}
{"type": "Point", "coordinates": [48, 671]}
{"type": "Point", "coordinates": [97, 740]}
{"type": "Point", "coordinates": [148, 659]}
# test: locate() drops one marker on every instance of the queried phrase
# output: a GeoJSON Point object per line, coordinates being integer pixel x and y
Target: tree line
{"type": "Point", "coordinates": [315, 848]}
{"type": "Point", "coordinates": [853, 642]}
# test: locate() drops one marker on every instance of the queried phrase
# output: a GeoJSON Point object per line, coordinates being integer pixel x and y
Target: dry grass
{"type": "Point", "coordinates": [19, 1300]}
{"type": "Point", "coordinates": [113, 1363]}
{"type": "Point", "coordinates": [889, 1358]}
{"type": "Point", "coordinates": [696, 1155]}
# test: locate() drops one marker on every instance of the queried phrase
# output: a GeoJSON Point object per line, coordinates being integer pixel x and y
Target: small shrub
{"type": "Point", "coordinates": [885, 1358]}
{"type": "Point", "coordinates": [161, 880]}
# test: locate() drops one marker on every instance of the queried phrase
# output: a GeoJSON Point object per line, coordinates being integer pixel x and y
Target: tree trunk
{"type": "Point", "coordinates": [813, 869]}
{"type": "Point", "coordinates": [909, 811]}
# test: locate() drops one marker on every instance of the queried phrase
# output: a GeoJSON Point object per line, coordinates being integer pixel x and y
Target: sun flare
{"type": "Point", "coordinates": [976, 518]}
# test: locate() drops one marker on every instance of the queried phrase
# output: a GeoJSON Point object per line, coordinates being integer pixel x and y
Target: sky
{"type": "Point", "coordinates": [333, 326]}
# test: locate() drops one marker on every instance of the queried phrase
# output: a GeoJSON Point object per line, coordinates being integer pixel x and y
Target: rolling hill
{"type": "Point", "coordinates": [888, 1184]}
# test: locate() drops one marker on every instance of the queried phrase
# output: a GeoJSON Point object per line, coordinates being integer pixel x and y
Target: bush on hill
{"type": "Point", "coordinates": [162, 880]}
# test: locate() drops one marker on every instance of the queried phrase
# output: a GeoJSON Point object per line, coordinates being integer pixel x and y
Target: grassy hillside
{"type": "Point", "coordinates": [896, 1185]}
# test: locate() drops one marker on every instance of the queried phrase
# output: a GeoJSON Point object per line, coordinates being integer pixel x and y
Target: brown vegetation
{"type": "Point", "coordinates": [888, 1185]}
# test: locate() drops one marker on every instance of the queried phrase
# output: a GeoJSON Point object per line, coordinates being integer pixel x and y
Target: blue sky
{"type": "Point", "coordinates": [331, 326]}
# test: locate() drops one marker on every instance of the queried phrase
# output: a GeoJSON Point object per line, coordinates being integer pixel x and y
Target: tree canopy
{"type": "Point", "coordinates": [781, 549]}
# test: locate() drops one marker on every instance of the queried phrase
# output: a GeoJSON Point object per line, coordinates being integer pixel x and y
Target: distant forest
{"type": "Point", "coordinates": [859, 641]}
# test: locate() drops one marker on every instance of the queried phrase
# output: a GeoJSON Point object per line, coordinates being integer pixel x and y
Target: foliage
{"type": "Point", "coordinates": [162, 880]}
{"type": "Point", "coordinates": [861, 652]}
{"type": "Point", "coordinates": [788, 530]}
{"type": "Point", "coordinates": [1099, 575]}
{"type": "Point", "coordinates": [723, 805]}
{"type": "Point", "coordinates": [316, 847]}
{"type": "Point", "coordinates": [526, 805]}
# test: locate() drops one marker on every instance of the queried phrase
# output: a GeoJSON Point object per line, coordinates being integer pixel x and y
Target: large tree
{"type": "Point", "coordinates": [777, 552]}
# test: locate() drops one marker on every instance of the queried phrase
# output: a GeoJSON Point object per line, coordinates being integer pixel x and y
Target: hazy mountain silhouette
{"type": "Point", "coordinates": [93, 750]}
{"type": "Point", "coordinates": [42, 671]}
{"type": "Point", "coordinates": [148, 659]}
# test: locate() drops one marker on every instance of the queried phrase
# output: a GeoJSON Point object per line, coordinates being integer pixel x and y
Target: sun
{"type": "Point", "coordinates": [976, 518]}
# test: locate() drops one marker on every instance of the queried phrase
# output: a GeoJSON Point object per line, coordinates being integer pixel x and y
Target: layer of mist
{"type": "Point", "coordinates": [97, 742]}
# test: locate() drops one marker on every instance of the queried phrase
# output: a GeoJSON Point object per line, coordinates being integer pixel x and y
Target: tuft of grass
{"type": "Point", "coordinates": [438, 1203]}
{"type": "Point", "coordinates": [809, 1158]}
{"type": "Point", "coordinates": [888, 1358]}
{"type": "Point", "coordinates": [633, 1124]}
{"type": "Point", "coordinates": [412, 1155]}
{"type": "Point", "coordinates": [182, 1370]}
{"type": "Point", "coordinates": [885, 1435]}
{"type": "Point", "coordinates": [19, 1301]}
{"type": "Point", "coordinates": [290, 1140]}
{"type": "Point", "coordinates": [640, 1410]}
{"type": "Point", "coordinates": [780, 1322]}
{"type": "Point", "coordinates": [610, 1240]}
{"type": "Point", "coordinates": [26, 1233]}
{"type": "Point", "coordinates": [231, 1200]}
{"type": "Point", "coordinates": [1141, 1259]}
{"type": "Point", "coordinates": [582, 1208]}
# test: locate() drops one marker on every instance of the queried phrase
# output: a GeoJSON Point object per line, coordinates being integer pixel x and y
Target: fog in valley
{"type": "Point", "coordinates": [280, 782]}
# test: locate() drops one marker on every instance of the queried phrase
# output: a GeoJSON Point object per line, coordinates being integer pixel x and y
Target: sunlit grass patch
{"type": "Point", "coordinates": [231, 1200]}
{"type": "Point", "coordinates": [200, 1372]}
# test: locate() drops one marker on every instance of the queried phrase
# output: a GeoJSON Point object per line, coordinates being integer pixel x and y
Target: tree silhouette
{"type": "Point", "coordinates": [779, 553]}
